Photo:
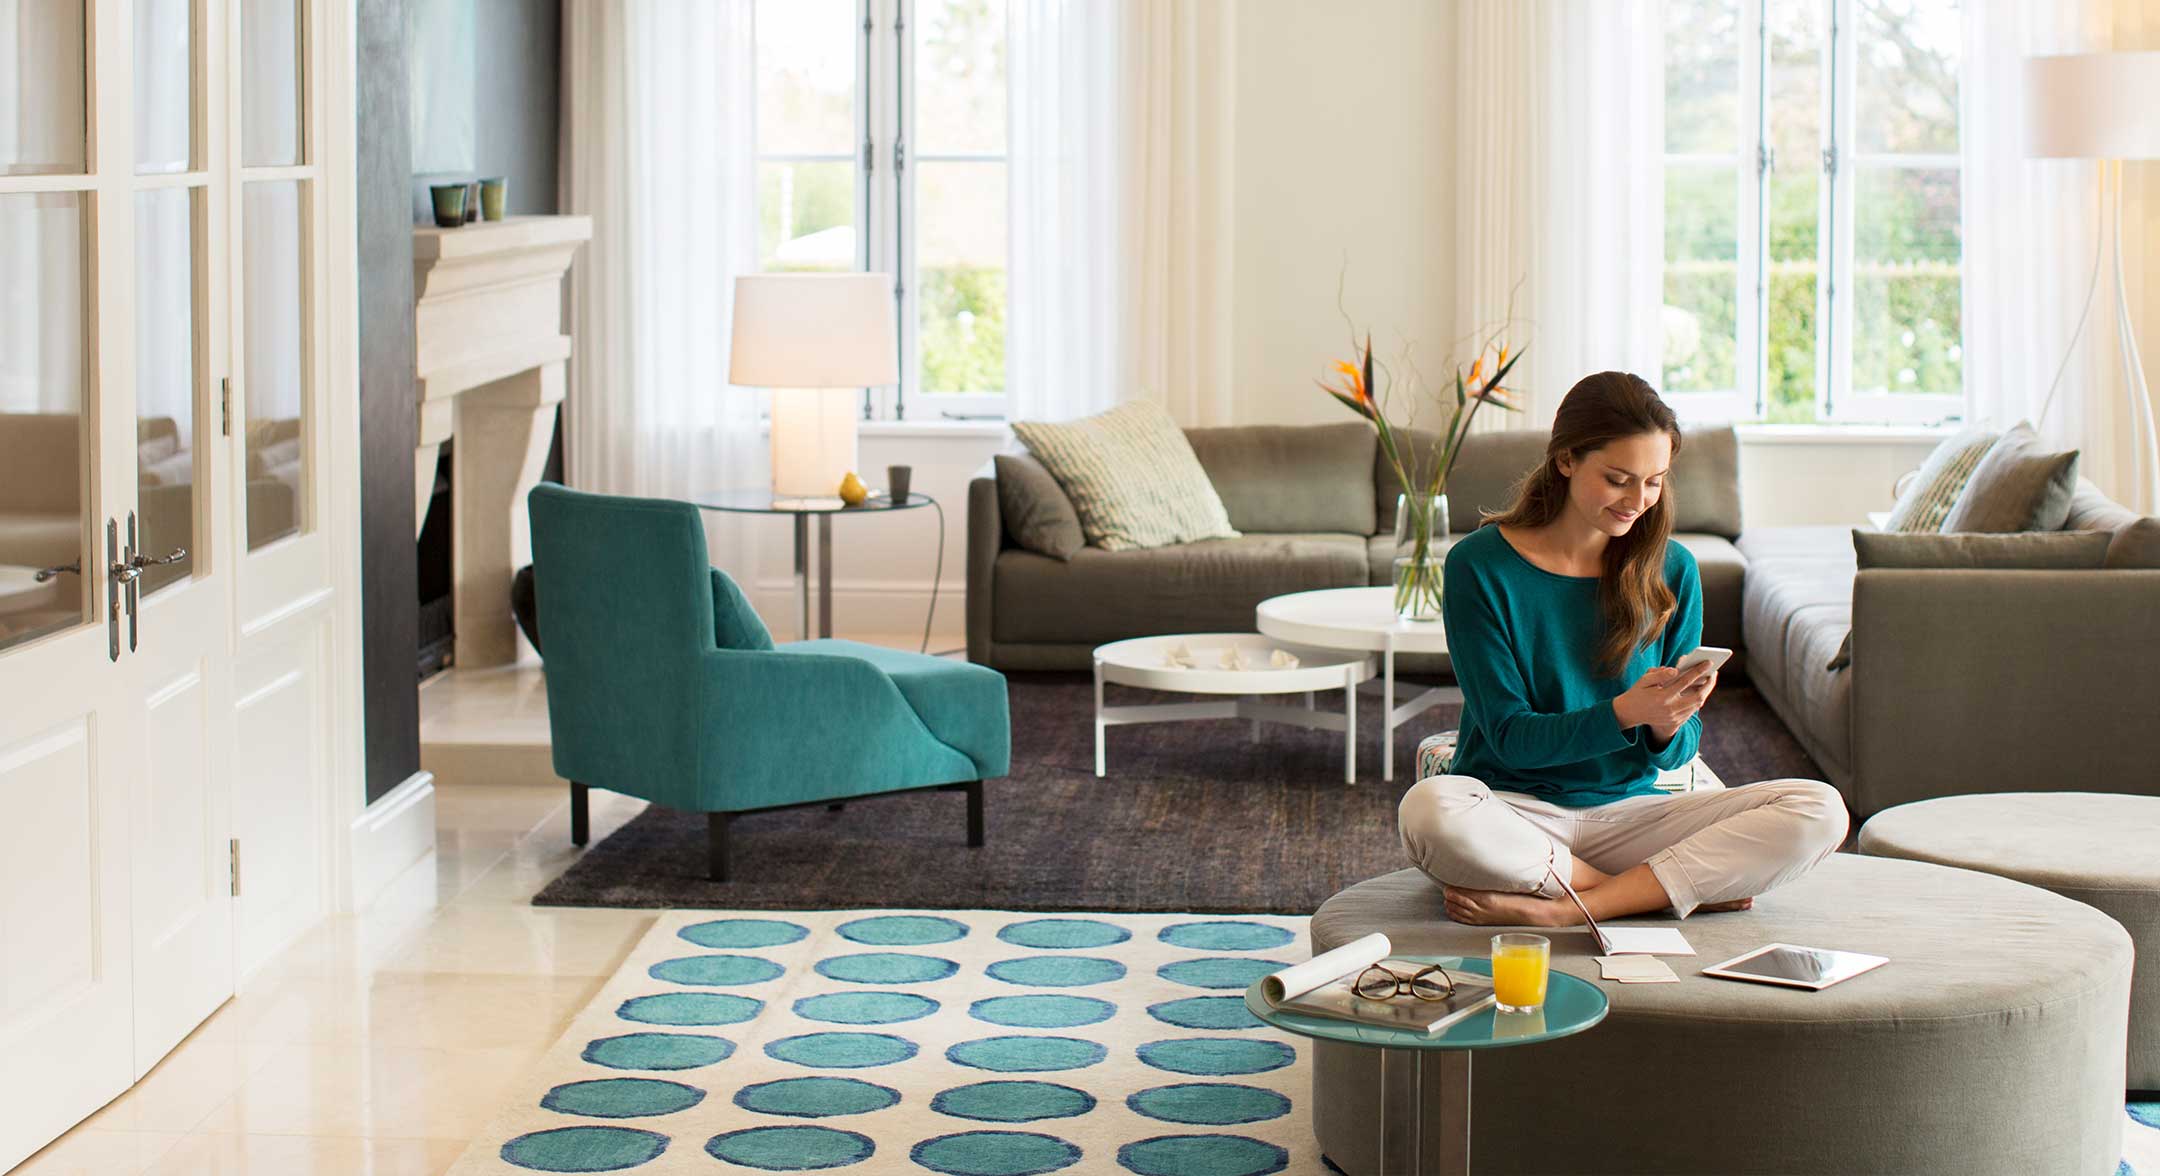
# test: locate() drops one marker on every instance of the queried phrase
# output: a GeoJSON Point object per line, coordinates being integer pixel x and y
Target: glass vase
{"type": "Point", "coordinates": [1421, 540]}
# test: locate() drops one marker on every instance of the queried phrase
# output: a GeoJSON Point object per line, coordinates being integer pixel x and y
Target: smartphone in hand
{"type": "Point", "coordinates": [1713, 654]}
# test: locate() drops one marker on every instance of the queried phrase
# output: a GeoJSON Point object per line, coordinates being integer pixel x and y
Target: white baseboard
{"type": "Point", "coordinates": [391, 834]}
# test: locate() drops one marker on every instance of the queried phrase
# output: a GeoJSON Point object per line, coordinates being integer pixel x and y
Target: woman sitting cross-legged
{"type": "Point", "coordinates": [1565, 615]}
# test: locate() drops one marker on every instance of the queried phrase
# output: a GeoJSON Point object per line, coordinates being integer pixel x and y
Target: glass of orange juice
{"type": "Point", "coordinates": [1520, 965]}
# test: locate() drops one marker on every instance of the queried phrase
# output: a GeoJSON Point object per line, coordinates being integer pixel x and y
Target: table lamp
{"type": "Point", "coordinates": [2102, 106]}
{"type": "Point", "coordinates": [816, 340]}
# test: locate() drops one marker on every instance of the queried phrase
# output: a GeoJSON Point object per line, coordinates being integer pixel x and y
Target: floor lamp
{"type": "Point", "coordinates": [2106, 107]}
{"type": "Point", "coordinates": [816, 340]}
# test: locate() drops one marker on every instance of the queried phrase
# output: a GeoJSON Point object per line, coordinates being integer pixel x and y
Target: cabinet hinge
{"type": "Point", "coordinates": [224, 392]}
{"type": "Point", "coordinates": [869, 156]}
{"type": "Point", "coordinates": [235, 847]}
{"type": "Point", "coordinates": [1829, 160]}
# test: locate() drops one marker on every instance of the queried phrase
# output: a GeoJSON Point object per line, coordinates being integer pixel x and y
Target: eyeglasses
{"type": "Point", "coordinates": [1428, 983]}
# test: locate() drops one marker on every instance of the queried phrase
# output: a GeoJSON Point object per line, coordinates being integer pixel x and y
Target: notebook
{"type": "Point", "coordinates": [1614, 941]}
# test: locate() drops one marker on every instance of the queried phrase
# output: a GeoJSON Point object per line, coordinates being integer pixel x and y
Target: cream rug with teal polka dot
{"type": "Point", "coordinates": [960, 1042]}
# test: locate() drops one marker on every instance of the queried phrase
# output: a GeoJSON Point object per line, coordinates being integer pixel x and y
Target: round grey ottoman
{"type": "Point", "coordinates": [1991, 1043]}
{"type": "Point", "coordinates": [2100, 848]}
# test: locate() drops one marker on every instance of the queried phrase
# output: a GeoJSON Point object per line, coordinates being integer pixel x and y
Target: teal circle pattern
{"type": "Point", "coordinates": [995, 1153]}
{"type": "Point", "coordinates": [1219, 971]}
{"type": "Point", "coordinates": [1216, 1057]}
{"type": "Point", "coordinates": [886, 967]}
{"type": "Point", "coordinates": [841, 1051]}
{"type": "Point", "coordinates": [1205, 1012]}
{"type": "Point", "coordinates": [1209, 1104]}
{"type": "Point", "coordinates": [816, 1098]}
{"type": "Point", "coordinates": [1063, 934]}
{"type": "Point", "coordinates": [1042, 1011]}
{"type": "Point", "coordinates": [658, 1051]}
{"type": "Point", "coordinates": [621, 1098]}
{"type": "Point", "coordinates": [1225, 935]}
{"type": "Point", "coordinates": [1056, 971]}
{"type": "Point", "coordinates": [1012, 1102]}
{"type": "Point", "coordinates": [903, 930]}
{"type": "Point", "coordinates": [743, 934]}
{"type": "Point", "coordinates": [2147, 1113]}
{"type": "Point", "coordinates": [791, 1149]}
{"type": "Point", "coordinates": [1215, 1155]}
{"type": "Point", "coordinates": [865, 1008]}
{"type": "Point", "coordinates": [1033, 1055]}
{"type": "Point", "coordinates": [584, 1149]}
{"type": "Point", "coordinates": [715, 971]}
{"type": "Point", "coordinates": [689, 1008]}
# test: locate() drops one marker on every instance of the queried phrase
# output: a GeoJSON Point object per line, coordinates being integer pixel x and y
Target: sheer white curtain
{"type": "Point", "coordinates": [1123, 120]}
{"type": "Point", "coordinates": [658, 108]}
{"type": "Point", "coordinates": [1559, 129]}
{"type": "Point", "coordinates": [2031, 229]}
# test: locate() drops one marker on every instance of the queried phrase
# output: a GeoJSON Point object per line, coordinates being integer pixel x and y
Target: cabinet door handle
{"type": "Point", "coordinates": [117, 573]}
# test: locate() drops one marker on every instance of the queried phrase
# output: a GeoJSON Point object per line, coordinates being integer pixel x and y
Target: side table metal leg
{"type": "Point", "coordinates": [1387, 717]}
{"type": "Point", "coordinates": [1349, 725]}
{"type": "Point", "coordinates": [1399, 1112]}
{"type": "Point", "coordinates": [1444, 1114]}
{"type": "Point", "coordinates": [824, 572]}
{"type": "Point", "coordinates": [1101, 765]}
{"type": "Point", "coordinates": [802, 577]}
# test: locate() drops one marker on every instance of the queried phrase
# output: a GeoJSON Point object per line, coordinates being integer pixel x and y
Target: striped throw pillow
{"type": "Point", "coordinates": [1942, 477]}
{"type": "Point", "coordinates": [1132, 477]}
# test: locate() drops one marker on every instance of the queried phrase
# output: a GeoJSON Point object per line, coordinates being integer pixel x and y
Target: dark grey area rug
{"type": "Point", "coordinates": [1193, 817]}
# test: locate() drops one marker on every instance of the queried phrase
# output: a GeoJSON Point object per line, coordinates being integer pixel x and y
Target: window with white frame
{"type": "Point", "coordinates": [1812, 188]}
{"type": "Point", "coordinates": [881, 146]}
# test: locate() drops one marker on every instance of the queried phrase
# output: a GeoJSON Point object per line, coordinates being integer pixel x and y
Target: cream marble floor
{"type": "Point", "coordinates": [381, 1042]}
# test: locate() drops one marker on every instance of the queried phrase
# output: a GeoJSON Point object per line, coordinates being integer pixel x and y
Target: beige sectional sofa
{"type": "Point", "coordinates": [1960, 681]}
{"type": "Point", "coordinates": [1316, 509]}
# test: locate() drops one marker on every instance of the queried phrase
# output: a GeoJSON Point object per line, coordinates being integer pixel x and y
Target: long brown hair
{"type": "Point", "coordinates": [1632, 592]}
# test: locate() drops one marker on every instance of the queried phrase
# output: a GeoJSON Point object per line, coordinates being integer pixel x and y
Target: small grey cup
{"type": "Point", "coordinates": [896, 483]}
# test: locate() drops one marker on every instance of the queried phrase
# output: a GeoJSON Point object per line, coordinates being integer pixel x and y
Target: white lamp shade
{"type": "Point", "coordinates": [814, 331]}
{"type": "Point", "coordinates": [2093, 106]}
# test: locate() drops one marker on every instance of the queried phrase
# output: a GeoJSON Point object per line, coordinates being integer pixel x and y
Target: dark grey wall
{"type": "Point", "coordinates": [517, 71]}
{"type": "Point", "coordinates": [389, 610]}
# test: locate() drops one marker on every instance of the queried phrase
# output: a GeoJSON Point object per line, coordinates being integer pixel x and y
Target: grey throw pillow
{"type": "Point", "coordinates": [1038, 515]}
{"type": "Point", "coordinates": [2020, 485]}
{"type": "Point", "coordinates": [2136, 545]}
{"type": "Point", "coordinates": [1927, 501]}
{"type": "Point", "coordinates": [2023, 551]}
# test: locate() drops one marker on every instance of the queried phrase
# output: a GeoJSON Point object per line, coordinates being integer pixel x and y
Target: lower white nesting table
{"type": "Point", "coordinates": [1144, 662]}
{"type": "Point", "coordinates": [1362, 620]}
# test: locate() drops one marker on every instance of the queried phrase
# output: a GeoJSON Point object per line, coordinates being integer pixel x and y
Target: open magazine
{"type": "Point", "coordinates": [1323, 986]}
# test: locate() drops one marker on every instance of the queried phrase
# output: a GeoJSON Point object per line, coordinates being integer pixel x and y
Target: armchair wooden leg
{"type": "Point", "coordinates": [975, 813]}
{"type": "Point", "coordinates": [580, 814]}
{"type": "Point", "coordinates": [836, 806]}
{"type": "Point", "coordinates": [716, 846]}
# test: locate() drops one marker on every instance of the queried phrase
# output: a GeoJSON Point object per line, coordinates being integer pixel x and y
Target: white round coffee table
{"type": "Point", "coordinates": [1362, 620]}
{"type": "Point", "coordinates": [1146, 662]}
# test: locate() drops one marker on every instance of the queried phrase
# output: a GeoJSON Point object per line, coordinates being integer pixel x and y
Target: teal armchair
{"type": "Point", "coordinates": [663, 684]}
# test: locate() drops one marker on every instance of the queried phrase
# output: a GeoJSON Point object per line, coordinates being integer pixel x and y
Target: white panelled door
{"type": "Point", "coordinates": [165, 593]}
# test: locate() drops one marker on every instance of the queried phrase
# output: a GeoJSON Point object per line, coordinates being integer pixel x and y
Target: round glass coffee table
{"type": "Point", "coordinates": [1364, 620]}
{"type": "Point", "coordinates": [1414, 1138]}
{"type": "Point", "coordinates": [1229, 663]}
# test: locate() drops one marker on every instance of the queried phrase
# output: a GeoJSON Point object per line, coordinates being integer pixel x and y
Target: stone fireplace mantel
{"type": "Point", "coordinates": [487, 312]}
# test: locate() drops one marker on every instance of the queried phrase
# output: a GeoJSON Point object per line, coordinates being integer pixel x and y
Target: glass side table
{"type": "Point", "coordinates": [805, 509]}
{"type": "Point", "coordinates": [1412, 1140]}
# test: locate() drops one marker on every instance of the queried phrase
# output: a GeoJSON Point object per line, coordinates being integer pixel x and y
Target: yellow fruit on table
{"type": "Point", "coordinates": [852, 490]}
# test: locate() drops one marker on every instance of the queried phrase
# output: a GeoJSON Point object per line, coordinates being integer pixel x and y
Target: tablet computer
{"type": "Point", "coordinates": [1796, 967]}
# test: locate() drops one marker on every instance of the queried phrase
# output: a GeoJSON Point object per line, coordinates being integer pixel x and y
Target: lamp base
{"type": "Point", "coordinates": [813, 441]}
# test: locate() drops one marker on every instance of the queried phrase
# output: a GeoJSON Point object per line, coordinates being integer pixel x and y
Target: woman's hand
{"type": "Point", "coordinates": [1664, 698]}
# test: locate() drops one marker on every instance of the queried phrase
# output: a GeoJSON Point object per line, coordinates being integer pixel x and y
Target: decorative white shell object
{"type": "Point", "coordinates": [1233, 658]}
{"type": "Point", "coordinates": [1179, 657]}
{"type": "Point", "coordinates": [1282, 659]}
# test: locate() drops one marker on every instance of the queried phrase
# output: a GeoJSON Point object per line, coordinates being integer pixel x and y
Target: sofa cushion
{"type": "Point", "coordinates": [2020, 485]}
{"type": "Point", "coordinates": [2136, 537]}
{"type": "Point", "coordinates": [1818, 686]}
{"type": "Point", "coordinates": [1705, 477]}
{"type": "Point", "coordinates": [1209, 586]}
{"type": "Point", "coordinates": [1132, 477]}
{"type": "Point", "coordinates": [35, 540]}
{"type": "Point", "coordinates": [1723, 573]}
{"type": "Point", "coordinates": [1935, 487]}
{"type": "Point", "coordinates": [1037, 513]}
{"type": "Point", "coordinates": [1799, 587]}
{"type": "Point", "coordinates": [2026, 550]}
{"type": "Point", "coordinates": [1292, 478]}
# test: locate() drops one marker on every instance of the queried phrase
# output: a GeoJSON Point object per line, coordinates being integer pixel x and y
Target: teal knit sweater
{"type": "Point", "coordinates": [1537, 717]}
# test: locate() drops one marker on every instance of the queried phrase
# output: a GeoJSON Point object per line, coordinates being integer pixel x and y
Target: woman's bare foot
{"type": "Point", "coordinates": [1493, 908]}
{"type": "Point", "coordinates": [1738, 904]}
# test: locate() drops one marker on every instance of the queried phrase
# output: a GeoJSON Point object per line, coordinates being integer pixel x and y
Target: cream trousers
{"type": "Point", "coordinates": [1712, 846]}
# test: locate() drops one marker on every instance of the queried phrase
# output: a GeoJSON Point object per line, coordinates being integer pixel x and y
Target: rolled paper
{"type": "Point", "coordinates": [1298, 979]}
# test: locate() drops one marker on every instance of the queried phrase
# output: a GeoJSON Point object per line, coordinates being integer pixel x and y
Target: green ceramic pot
{"type": "Point", "coordinates": [449, 204]}
{"type": "Point", "coordinates": [492, 194]}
